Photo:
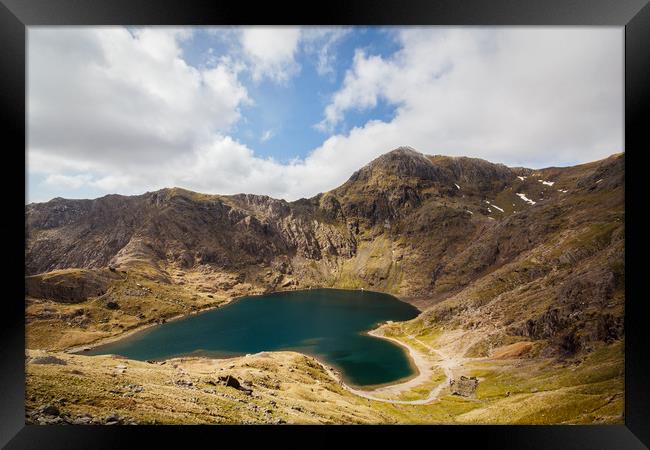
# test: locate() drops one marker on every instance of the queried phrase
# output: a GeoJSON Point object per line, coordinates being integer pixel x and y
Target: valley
{"type": "Point", "coordinates": [518, 275]}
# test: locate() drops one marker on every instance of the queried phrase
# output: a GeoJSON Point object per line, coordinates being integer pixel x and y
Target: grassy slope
{"type": "Point", "coordinates": [295, 389]}
{"type": "Point", "coordinates": [487, 314]}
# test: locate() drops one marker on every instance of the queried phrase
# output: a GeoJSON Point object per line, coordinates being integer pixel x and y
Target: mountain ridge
{"type": "Point", "coordinates": [519, 274]}
{"type": "Point", "coordinates": [420, 227]}
{"type": "Point", "coordinates": [394, 154]}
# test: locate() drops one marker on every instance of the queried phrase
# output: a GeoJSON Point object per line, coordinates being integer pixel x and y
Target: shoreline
{"type": "Point", "coordinates": [413, 364]}
{"type": "Point", "coordinates": [422, 369]}
{"type": "Point", "coordinates": [79, 349]}
{"type": "Point", "coordinates": [425, 371]}
{"type": "Point", "coordinates": [337, 289]}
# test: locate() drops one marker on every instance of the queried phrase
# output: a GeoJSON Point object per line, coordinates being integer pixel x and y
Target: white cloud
{"type": "Point", "coordinates": [68, 181]}
{"type": "Point", "coordinates": [531, 96]}
{"type": "Point", "coordinates": [109, 97]}
{"type": "Point", "coordinates": [268, 134]}
{"type": "Point", "coordinates": [118, 112]}
{"type": "Point", "coordinates": [322, 42]}
{"type": "Point", "coordinates": [370, 77]}
{"type": "Point", "coordinates": [271, 51]}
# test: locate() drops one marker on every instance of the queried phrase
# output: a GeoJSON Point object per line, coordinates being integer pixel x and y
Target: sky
{"type": "Point", "coordinates": [293, 111]}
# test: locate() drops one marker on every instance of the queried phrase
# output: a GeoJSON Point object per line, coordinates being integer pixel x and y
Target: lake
{"type": "Point", "coordinates": [330, 324]}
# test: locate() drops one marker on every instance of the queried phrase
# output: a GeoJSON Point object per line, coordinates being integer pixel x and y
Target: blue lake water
{"type": "Point", "coordinates": [330, 324]}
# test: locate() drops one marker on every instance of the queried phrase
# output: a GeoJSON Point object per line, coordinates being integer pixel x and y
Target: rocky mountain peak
{"type": "Point", "coordinates": [402, 162]}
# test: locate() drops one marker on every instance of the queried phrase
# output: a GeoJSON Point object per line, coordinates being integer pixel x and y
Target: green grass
{"type": "Point", "coordinates": [600, 375]}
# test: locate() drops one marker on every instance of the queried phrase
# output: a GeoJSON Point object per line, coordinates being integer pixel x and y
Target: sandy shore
{"type": "Point", "coordinates": [425, 366]}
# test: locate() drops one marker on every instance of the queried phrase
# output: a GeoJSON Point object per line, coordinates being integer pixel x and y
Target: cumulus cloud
{"type": "Point", "coordinates": [120, 111]}
{"type": "Point", "coordinates": [530, 96]}
{"type": "Point", "coordinates": [271, 51]}
{"type": "Point", "coordinates": [113, 97]}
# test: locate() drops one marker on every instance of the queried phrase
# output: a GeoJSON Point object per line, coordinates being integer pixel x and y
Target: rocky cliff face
{"type": "Point", "coordinates": [176, 227]}
{"type": "Point", "coordinates": [462, 236]}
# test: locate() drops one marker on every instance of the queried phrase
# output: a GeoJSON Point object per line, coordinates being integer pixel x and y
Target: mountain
{"type": "Point", "coordinates": [519, 274]}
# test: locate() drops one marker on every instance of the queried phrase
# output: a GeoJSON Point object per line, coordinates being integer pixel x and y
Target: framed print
{"type": "Point", "coordinates": [421, 214]}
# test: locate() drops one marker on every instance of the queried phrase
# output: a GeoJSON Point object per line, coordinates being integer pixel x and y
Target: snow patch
{"type": "Point", "coordinates": [564, 191]}
{"type": "Point", "coordinates": [521, 178]}
{"type": "Point", "coordinates": [494, 206]}
{"type": "Point", "coordinates": [526, 199]}
{"type": "Point", "coordinates": [457, 186]}
{"type": "Point", "coordinates": [599, 181]}
{"type": "Point", "coordinates": [547, 183]}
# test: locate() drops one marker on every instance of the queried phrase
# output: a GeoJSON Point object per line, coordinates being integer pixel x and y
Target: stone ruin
{"type": "Point", "coordinates": [464, 386]}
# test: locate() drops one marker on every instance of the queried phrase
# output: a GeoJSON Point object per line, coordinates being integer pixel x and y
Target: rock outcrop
{"type": "Point", "coordinates": [69, 286]}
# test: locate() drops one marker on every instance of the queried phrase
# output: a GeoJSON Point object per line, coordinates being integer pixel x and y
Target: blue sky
{"type": "Point", "coordinates": [281, 121]}
{"type": "Point", "coordinates": [293, 111]}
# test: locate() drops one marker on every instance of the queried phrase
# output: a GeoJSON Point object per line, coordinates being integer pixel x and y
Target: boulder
{"type": "Point", "coordinates": [231, 381]}
{"type": "Point", "coordinates": [50, 410]}
{"type": "Point", "coordinates": [84, 419]}
{"type": "Point", "coordinates": [45, 415]}
{"type": "Point", "coordinates": [112, 419]}
{"type": "Point", "coordinates": [43, 420]}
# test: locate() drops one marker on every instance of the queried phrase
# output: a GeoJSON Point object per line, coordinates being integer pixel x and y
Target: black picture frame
{"type": "Point", "coordinates": [634, 15]}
